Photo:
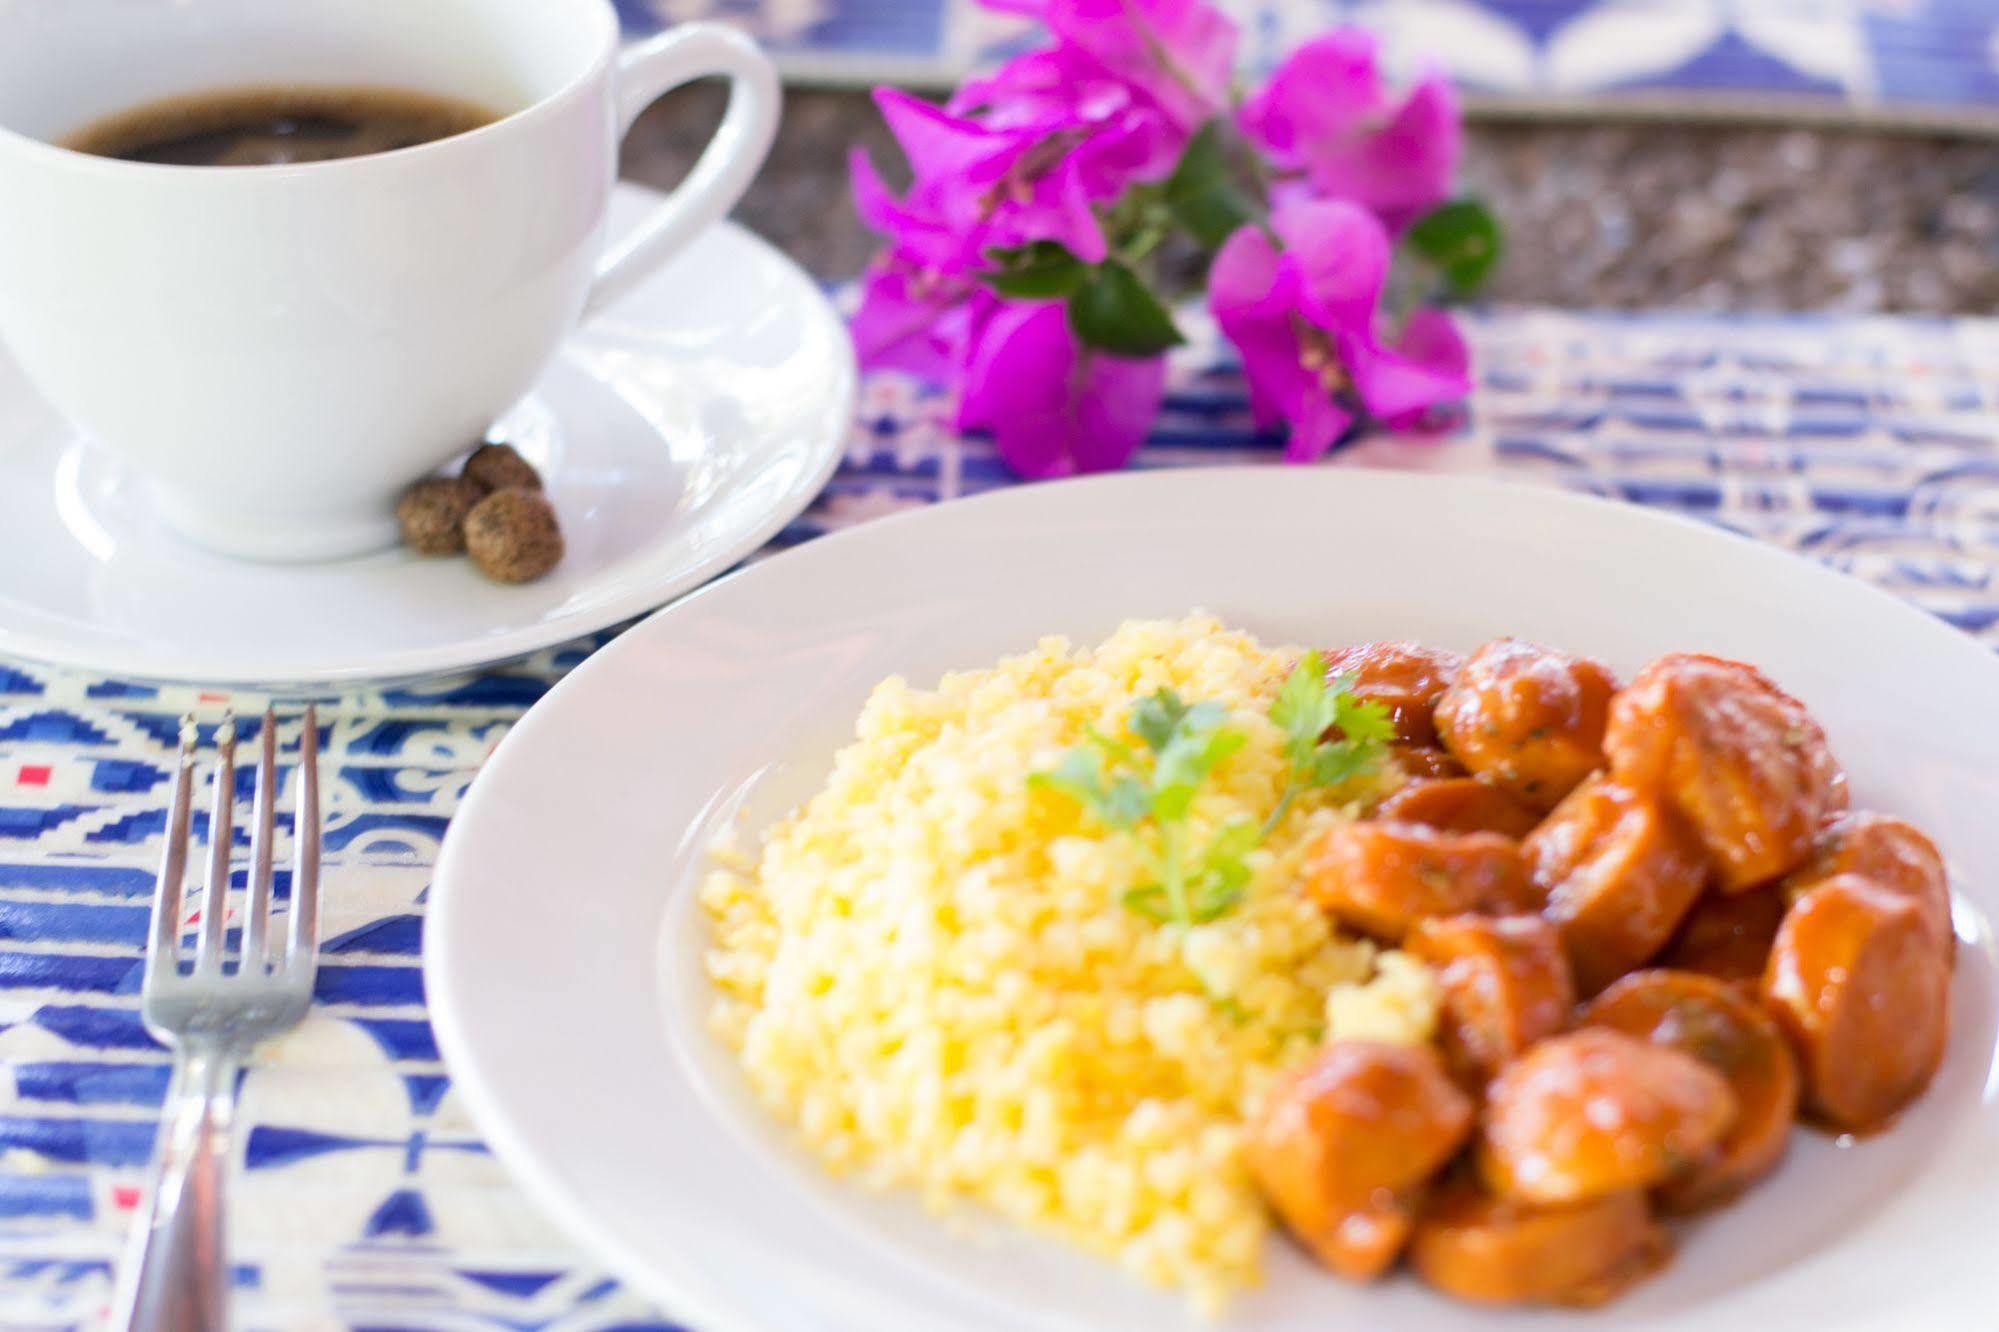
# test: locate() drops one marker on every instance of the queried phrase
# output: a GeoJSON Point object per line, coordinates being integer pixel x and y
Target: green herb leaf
{"type": "Point", "coordinates": [1304, 708]}
{"type": "Point", "coordinates": [1156, 717]}
{"type": "Point", "coordinates": [1112, 310]}
{"type": "Point", "coordinates": [1224, 872]}
{"type": "Point", "coordinates": [1203, 192]}
{"type": "Point", "coordinates": [1042, 270]}
{"type": "Point", "coordinates": [1362, 721]}
{"type": "Point", "coordinates": [1460, 239]}
{"type": "Point", "coordinates": [1080, 776]}
{"type": "Point", "coordinates": [1149, 901]}
{"type": "Point", "coordinates": [1184, 764]}
{"type": "Point", "coordinates": [1127, 801]}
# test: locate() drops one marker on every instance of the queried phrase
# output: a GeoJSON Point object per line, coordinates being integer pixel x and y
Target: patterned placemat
{"type": "Point", "coordinates": [364, 1196]}
{"type": "Point", "coordinates": [1916, 61]}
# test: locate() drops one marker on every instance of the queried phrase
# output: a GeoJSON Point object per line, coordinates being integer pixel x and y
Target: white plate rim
{"type": "Point", "coordinates": [470, 656]}
{"type": "Point", "coordinates": [462, 1055]}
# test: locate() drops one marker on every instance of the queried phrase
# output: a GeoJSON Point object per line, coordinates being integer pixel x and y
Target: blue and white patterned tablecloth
{"type": "Point", "coordinates": [1927, 61]}
{"type": "Point", "coordinates": [365, 1197]}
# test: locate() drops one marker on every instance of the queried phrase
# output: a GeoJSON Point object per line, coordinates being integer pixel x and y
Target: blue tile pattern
{"type": "Point", "coordinates": [1934, 57]}
{"type": "Point", "coordinates": [366, 1197]}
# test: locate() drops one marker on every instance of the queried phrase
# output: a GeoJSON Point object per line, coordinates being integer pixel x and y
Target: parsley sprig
{"type": "Point", "coordinates": [1309, 709]}
{"type": "Point", "coordinates": [1153, 783]}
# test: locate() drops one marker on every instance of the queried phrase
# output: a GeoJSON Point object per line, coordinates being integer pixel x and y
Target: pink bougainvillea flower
{"type": "Point", "coordinates": [1059, 88]}
{"type": "Point", "coordinates": [1055, 407]}
{"type": "Point", "coordinates": [1179, 53]}
{"type": "Point", "coordinates": [1306, 318]}
{"type": "Point", "coordinates": [916, 320]}
{"type": "Point", "coordinates": [1327, 113]}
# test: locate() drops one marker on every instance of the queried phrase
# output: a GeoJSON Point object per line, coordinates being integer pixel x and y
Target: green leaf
{"type": "Point", "coordinates": [1149, 901]}
{"type": "Point", "coordinates": [1462, 240]}
{"type": "Point", "coordinates": [1184, 764]}
{"type": "Point", "coordinates": [1112, 310]}
{"type": "Point", "coordinates": [1042, 270]}
{"type": "Point", "coordinates": [1363, 721]}
{"type": "Point", "coordinates": [1203, 193]}
{"type": "Point", "coordinates": [1224, 872]}
{"type": "Point", "coordinates": [1079, 776]}
{"type": "Point", "coordinates": [1127, 801]}
{"type": "Point", "coordinates": [1304, 708]}
{"type": "Point", "coordinates": [1156, 717]}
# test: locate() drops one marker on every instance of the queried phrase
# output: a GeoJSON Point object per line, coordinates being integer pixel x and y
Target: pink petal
{"type": "Point", "coordinates": [896, 330]}
{"type": "Point", "coordinates": [1318, 424]}
{"type": "Point", "coordinates": [1428, 365]}
{"type": "Point", "coordinates": [1340, 254]}
{"type": "Point", "coordinates": [1402, 170]}
{"type": "Point", "coordinates": [1055, 408]}
{"type": "Point", "coordinates": [940, 145]}
{"type": "Point", "coordinates": [1325, 90]}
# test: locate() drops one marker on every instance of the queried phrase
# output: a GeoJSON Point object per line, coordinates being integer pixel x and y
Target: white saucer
{"type": "Point", "coordinates": [680, 431]}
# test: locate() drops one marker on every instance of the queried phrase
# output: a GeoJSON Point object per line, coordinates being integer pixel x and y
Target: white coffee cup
{"type": "Point", "coordinates": [279, 350]}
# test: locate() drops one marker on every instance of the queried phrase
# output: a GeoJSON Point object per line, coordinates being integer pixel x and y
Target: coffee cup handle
{"type": "Point", "coordinates": [646, 72]}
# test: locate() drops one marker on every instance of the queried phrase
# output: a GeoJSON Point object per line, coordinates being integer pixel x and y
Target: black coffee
{"type": "Point", "coordinates": [275, 126]}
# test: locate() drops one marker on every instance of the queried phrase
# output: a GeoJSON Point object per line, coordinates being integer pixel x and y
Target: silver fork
{"type": "Point", "coordinates": [176, 1274]}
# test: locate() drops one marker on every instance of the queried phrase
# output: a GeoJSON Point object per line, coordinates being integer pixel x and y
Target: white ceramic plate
{"type": "Point", "coordinates": [680, 430]}
{"type": "Point", "coordinates": [564, 950]}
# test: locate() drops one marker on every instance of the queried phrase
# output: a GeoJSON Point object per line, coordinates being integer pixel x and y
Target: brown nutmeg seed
{"type": "Point", "coordinates": [512, 535]}
{"type": "Point", "coordinates": [498, 467]}
{"type": "Point", "coordinates": [432, 513]}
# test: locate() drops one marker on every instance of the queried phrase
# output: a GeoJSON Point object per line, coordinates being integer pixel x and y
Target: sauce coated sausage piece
{"type": "Point", "coordinates": [1343, 1146]}
{"type": "Point", "coordinates": [1493, 1251]}
{"type": "Point", "coordinates": [1424, 761]}
{"type": "Point", "coordinates": [1505, 986]}
{"type": "Point", "coordinates": [1725, 1029]}
{"type": "Point", "coordinates": [1381, 878]}
{"type": "Point", "coordinates": [1859, 985]}
{"type": "Point", "coordinates": [1596, 1112]}
{"type": "Point", "coordinates": [1727, 936]}
{"type": "Point", "coordinates": [1460, 804]}
{"type": "Point", "coordinates": [1740, 759]}
{"type": "Point", "coordinates": [1528, 719]}
{"type": "Point", "coordinates": [1890, 854]}
{"type": "Point", "coordinates": [1619, 870]}
{"type": "Point", "coordinates": [1405, 678]}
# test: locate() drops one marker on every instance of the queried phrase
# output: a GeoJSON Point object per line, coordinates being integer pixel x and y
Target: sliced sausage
{"type": "Point", "coordinates": [1381, 878]}
{"type": "Point", "coordinates": [1890, 854]}
{"type": "Point", "coordinates": [1528, 719]}
{"type": "Point", "coordinates": [1725, 1029]}
{"type": "Point", "coordinates": [1596, 1111]}
{"type": "Point", "coordinates": [1341, 1146]}
{"type": "Point", "coordinates": [1505, 986]}
{"type": "Point", "coordinates": [1727, 936]}
{"type": "Point", "coordinates": [1421, 761]}
{"type": "Point", "coordinates": [1460, 804]}
{"type": "Point", "coordinates": [1738, 757]}
{"type": "Point", "coordinates": [1858, 984]}
{"type": "Point", "coordinates": [1619, 871]}
{"type": "Point", "coordinates": [1491, 1250]}
{"type": "Point", "coordinates": [1405, 678]}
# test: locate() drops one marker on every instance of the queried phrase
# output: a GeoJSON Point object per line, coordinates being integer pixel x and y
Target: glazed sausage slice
{"type": "Point", "coordinates": [1341, 1145]}
{"type": "Point", "coordinates": [1596, 1111]}
{"type": "Point", "coordinates": [1740, 758]}
{"type": "Point", "coordinates": [1405, 678]}
{"type": "Point", "coordinates": [1727, 936]}
{"type": "Point", "coordinates": [1858, 984]}
{"type": "Point", "coordinates": [1619, 871]}
{"type": "Point", "coordinates": [1892, 855]}
{"type": "Point", "coordinates": [1505, 986]}
{"type": "Point", "coordinates": [1381, 878]}
{"type": "Point", "coordinates": [1528, 719]}
{"type": "Point", "coordinates": [1493, 1251]}
{"type": "Point", "coordinates": [1725, 1029]}
{"type": "Point", "coordinates": [1421, 761]}
{"type": "Point", "coordinates": [1460, 804]}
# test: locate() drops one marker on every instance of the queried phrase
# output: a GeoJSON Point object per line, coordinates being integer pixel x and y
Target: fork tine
{"type": "Point", "coordinates": [303, 948]}
{"type": "Point", "coordinates": [221, 828]}
{"type": "Point", "coordinates": [164, 947]}
{"type": "Point", "coordinates": [257, 908]}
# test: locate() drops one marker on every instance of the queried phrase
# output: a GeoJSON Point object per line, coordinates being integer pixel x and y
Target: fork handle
{"type": "Point", "coordinates": [176, 1274]}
